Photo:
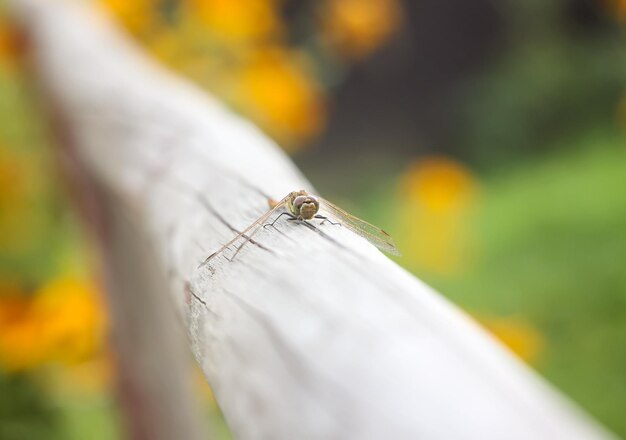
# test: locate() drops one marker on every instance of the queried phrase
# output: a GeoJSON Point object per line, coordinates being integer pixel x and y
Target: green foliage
{"type": "Point", "coordinates": [92, 418]}
{"type": "Point", "coordinates": [24, 414]}
{"type": "Point", "coordinates": [31, 212]}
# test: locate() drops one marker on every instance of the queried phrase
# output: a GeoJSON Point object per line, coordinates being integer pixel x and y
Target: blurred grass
{"type": "Point", "coordinates": [88, 418]}
{"type": "Point", "coordinates": [96, 417]}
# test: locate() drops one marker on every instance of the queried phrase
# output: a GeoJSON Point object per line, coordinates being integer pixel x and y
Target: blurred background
{"type": "Point", "coordinates": [487, 136]}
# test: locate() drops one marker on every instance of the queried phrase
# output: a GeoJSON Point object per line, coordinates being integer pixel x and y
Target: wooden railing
{"type": "Point", "coordinates": [308, 333]}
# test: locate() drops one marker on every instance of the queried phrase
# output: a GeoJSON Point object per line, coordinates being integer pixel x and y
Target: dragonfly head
{"type": "Point", "coordinates": [303, 205]}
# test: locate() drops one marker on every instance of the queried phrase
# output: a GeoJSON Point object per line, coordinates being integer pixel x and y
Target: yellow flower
{"type": "Point", "coordinates": [63, 322]}
{"type": "Point", "coordinates": [358, 27]}
{"type": "Point", "coordinates": [72, 319]}
{"type": "Point", "coordinates": [435, 200]}
{"type": "Point", "coordinates": [440, 184]}
{"type": "Point", "coordinates": [138, 16]}
{"type": "Point", "coordinates": [517, 334]}
{"type": "Point", "coordinates": [275, 89]}
{"type": "Point", "coordinates": [238, 20]}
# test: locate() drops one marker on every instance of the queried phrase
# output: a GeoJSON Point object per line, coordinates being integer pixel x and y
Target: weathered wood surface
{"type": "Point", "coordinates": [306, 334]}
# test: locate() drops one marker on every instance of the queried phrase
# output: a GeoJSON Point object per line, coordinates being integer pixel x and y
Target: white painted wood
{"type": "Point", "coordinates": [303, 336]}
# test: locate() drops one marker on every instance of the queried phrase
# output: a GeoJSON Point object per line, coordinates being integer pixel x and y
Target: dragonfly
{"type": "Point", "coordinates": [302, 206]}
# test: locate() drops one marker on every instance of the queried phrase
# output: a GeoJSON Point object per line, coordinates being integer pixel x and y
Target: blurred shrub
{"type": "Point", "coordinates": [24, 415]}
{"type": "Point", "coordinates": [560, 74]}
{"type": "Point", "coordinates": [271, 60]}
{"type": "Point", "coordinates": [47, 317]}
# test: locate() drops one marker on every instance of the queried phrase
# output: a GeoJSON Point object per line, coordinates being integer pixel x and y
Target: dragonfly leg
{"type": "Point", "coordinates": [288, 214]}
{"type": "Point", "coordinates": [249, 237]}
{"type": "Point", "coordinates": [326, 219]}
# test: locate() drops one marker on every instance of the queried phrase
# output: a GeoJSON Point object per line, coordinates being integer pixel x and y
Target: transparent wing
{"type": "Point", "coordinates": [246, 232]}
{"type": "Point", "coordinates": [371, 233]}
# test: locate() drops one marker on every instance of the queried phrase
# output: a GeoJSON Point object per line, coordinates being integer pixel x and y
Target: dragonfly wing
{"type": "Point", "coordinates": [371, 233]}
{"type": "Point", "coordinates": [255, 225]}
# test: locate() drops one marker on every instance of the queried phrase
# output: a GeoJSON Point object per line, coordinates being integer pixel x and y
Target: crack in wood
{"type": "Point", "coordinates": [205, 203]}
{"type": "Point", "coordinates": [211, 209]}
{"type": "Point", "coordinates": [194, 295]}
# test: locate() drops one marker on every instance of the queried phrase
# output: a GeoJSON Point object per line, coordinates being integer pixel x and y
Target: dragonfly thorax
{"type": "Point", "coordinates": [303, 205]}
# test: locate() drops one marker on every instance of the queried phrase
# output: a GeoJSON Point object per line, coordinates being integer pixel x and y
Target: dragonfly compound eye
{"type": "Point", "coordinates": [298, 201]}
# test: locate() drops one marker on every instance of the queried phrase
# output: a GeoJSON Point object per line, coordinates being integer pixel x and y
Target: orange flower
{"type": "Point", "coordinates": [9, 44]}
{"type": "Point", "coordinates": [18, 333]}
{"type": "Point", "coordinates": [358, 27]}
{"type": "Point", "coordinates": [63, 322]}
